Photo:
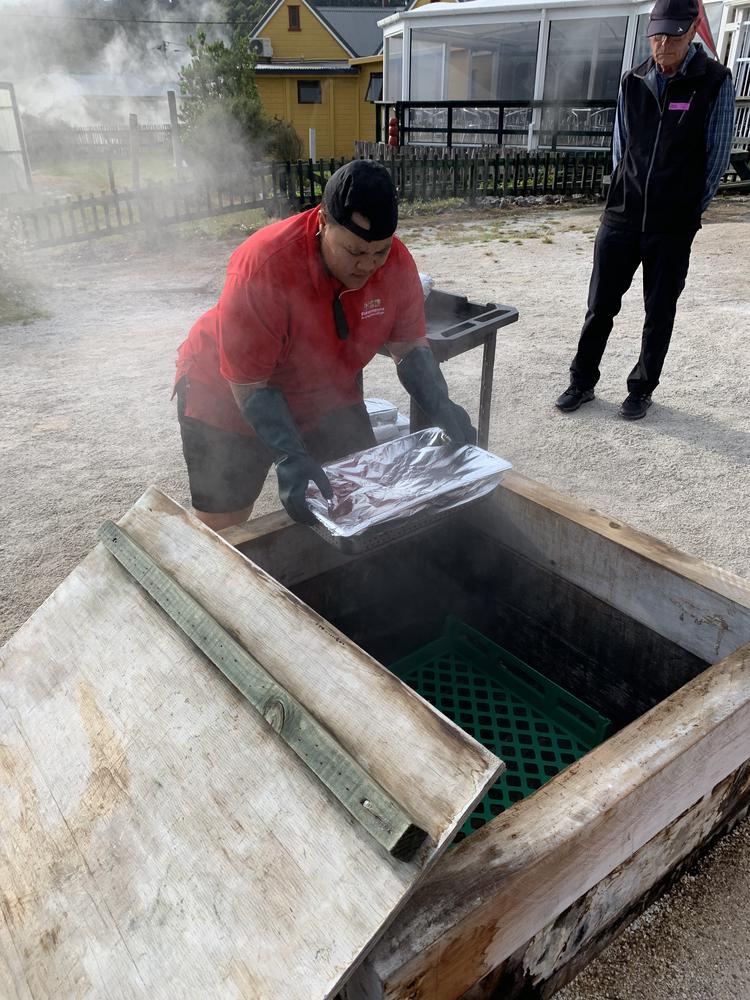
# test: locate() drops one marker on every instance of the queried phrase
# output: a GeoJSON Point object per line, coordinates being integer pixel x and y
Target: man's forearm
{"type": "Point", "coordinates": [719, 132]}
{"type": "Point", "coordinates": [241, 391]}
{"type": "Point", "coordinates": [619, 134]}
{"type": "Point", "coordinates": [398, 349]}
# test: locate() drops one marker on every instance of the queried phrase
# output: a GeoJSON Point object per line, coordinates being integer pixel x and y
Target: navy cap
{"type": "Point", "coordinates": [365, 187]}
{"type": "Point", "coordinates": [672, 17]}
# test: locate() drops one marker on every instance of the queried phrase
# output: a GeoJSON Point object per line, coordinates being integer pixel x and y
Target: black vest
{"type": "Point", "coordinates": [659, 182]}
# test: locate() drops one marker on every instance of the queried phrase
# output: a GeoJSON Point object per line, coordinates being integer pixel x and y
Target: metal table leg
{"type": "Point", "coordinates": [485, 390]}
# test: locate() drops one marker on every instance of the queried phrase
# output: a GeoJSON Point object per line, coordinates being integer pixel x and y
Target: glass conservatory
{"type": "Point", "coordinates": [560, 60]}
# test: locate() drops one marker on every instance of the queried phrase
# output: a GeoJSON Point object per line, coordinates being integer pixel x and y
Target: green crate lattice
{"type": "Point", "coordinates": [533, 724]}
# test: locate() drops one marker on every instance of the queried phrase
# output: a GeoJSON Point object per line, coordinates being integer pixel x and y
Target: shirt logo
{"type": "Point", "coordinates": [373, 307]}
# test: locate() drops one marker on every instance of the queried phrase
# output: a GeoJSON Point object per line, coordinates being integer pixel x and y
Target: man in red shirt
{"type": "Point", "coordinates": [272, 374]}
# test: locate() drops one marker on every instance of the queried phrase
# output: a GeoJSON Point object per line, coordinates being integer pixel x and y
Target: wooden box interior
{"type": "Point", "coordinates": [392, 601]}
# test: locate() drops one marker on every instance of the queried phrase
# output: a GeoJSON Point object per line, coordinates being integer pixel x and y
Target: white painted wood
{"type": "Point", "coordinates": [156, 838]}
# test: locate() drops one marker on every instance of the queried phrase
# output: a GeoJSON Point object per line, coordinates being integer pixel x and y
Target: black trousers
{"type": "Point", "coordinates": [617, 254]}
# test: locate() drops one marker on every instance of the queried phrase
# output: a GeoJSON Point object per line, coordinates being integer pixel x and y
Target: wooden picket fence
{"type": "Point", "coordinates": [50, 145]}
{"type": "Point", "coordinates": [152, 208]}
{"type": "Point", "coordinates": [282, 188]}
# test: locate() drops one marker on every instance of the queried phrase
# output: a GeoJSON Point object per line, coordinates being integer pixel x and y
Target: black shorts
{"type": "Point", "coordinates": [226, 470]}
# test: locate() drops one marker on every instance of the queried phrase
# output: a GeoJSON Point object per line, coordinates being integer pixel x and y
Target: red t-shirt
{"type": "Point", "coordinates": [274, 322]}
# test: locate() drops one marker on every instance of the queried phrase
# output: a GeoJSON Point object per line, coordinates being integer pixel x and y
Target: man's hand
{"type": "Point", "coordinates": [294, 472]}
{"type": "Point", "coordinates": [456, 423]}
{"type": "Point", "coordinates": [420, 375]}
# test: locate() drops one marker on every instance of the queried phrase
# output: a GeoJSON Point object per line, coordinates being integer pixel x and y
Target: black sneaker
{"type": "Point", "coordinates": [572, 398]}
{"type": "Point", "coordinates": [635, 406]}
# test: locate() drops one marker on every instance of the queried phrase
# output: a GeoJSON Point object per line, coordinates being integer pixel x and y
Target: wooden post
{"type": "Point", "coordinates": [174, 125]}
{"type": "Point", "coordinates": [134, 157]}
{"type": "Point", "coordinates": [111, 172]}
{"type": "Point", "coordinates": [21, 139]}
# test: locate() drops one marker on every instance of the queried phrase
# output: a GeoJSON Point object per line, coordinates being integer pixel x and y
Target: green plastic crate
{"type": "Point", "coordinates": [533, 724]}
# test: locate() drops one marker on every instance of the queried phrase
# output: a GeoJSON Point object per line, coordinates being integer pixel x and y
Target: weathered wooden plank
{"type": "Point", "coordinates": [703, 608]}
{"type": "Point", "coordinates": [555, 955]}
{"type": "Point", "coordinates": [290, 552]}
{"type": "Point", "coordinates": [503, 885]}
{"type": "Point", "coordinates": [367, 802]}
{"type": "Point", "coordinates": [156, 838]}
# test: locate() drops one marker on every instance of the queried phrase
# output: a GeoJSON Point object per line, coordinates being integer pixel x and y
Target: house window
{"type": "Point", "coordinates": [456, 64]}
{"type": "Point", "coordinates": [375, 88]}
{"type": "Point", "coordinates": [394, 54]}
{"type": "Point", "coordinates": [584, 58]}
{"type": "Point", "coordinates": [309, 92]}
{"type": "Point", "coordinates": [293, 18]}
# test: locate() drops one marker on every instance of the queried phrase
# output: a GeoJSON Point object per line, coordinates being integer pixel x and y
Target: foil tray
{"type": "Point", "coordinates": [400, 487]}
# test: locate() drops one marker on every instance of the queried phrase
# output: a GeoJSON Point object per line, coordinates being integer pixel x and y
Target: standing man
{"type": "Point", "coordinates": [272, 374]}
{"type": "Point", "coordinates": [671, 144]}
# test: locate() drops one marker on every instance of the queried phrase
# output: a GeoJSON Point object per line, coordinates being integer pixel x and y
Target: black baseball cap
{"type": "Point", "coordinates": [672, 17]}
{"type": "Point", "coordinates": [365, 187]}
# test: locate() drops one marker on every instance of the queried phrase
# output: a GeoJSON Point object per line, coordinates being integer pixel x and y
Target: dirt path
{"type": "Point", "coordinates": [88, 424]}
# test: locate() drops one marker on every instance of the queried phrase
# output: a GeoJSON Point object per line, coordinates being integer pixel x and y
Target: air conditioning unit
{"type": "Point", "coordinates": [261, 47]}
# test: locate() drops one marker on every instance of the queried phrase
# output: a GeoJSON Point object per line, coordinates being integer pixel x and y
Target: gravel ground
{"type": "Point", "coordinates": [88, 425]}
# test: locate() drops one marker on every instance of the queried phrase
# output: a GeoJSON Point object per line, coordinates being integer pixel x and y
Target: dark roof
{"type": "Point", "coordinates": [389, 7]}
{"type": "Point", "coordinates": [354, 27]}
{"type": "Point", "coordinates": [357, 26]}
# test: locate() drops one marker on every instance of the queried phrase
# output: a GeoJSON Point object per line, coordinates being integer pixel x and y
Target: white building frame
{"type": "Point", "coordinates": [477, 15]}
{"type": "Point", "coordinates": [733, 46]}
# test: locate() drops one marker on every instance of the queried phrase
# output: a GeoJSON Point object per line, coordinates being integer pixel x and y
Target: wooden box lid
{"type": "Point", "coordinates": [157, 838]}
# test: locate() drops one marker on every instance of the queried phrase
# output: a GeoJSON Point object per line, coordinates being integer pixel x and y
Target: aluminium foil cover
{"type": "Point", "coordinates": [417, 474]}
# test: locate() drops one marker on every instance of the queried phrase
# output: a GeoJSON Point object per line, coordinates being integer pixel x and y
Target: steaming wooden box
{"type": "Point", "coordinates": [656, 640]}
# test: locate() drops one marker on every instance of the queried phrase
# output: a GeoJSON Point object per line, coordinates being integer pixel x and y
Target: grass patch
{"type": "Point", "coordinates": [500, 232]}
{"type": "Point", "coordinates": [16, 304]}
{"type": "Point", "coordinates": [416, 208]}
{"type": "Point", "coordinates": [90, 176]}
{"type": "Point", "coordinates": [233, 225]}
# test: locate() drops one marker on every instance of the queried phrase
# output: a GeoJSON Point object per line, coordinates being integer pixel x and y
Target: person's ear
{"type": "Point", "coordinates": [321, 220]}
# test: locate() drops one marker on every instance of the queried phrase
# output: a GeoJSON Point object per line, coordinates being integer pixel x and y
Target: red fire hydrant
{"type": "Point", "coordinates": [393, 131]}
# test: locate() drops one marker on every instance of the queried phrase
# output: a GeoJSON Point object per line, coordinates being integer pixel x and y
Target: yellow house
{"type": "Point", "coordinates": [321, 68]}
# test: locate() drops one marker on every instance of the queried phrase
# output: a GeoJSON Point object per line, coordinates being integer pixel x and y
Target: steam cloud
{"type": "Point", "coordinates": [57, 62]}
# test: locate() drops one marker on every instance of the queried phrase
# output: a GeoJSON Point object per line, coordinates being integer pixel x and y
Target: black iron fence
{"type": "Point", "coordinates": [552, 125]}
{"type": "Point", "coordinates": [466, 174]}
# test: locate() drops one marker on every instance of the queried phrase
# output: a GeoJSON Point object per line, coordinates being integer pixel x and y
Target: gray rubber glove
{"type": "Point", "coordinates": [268, 414]}
{"type": "Point", "coordinates": [419, 373]}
